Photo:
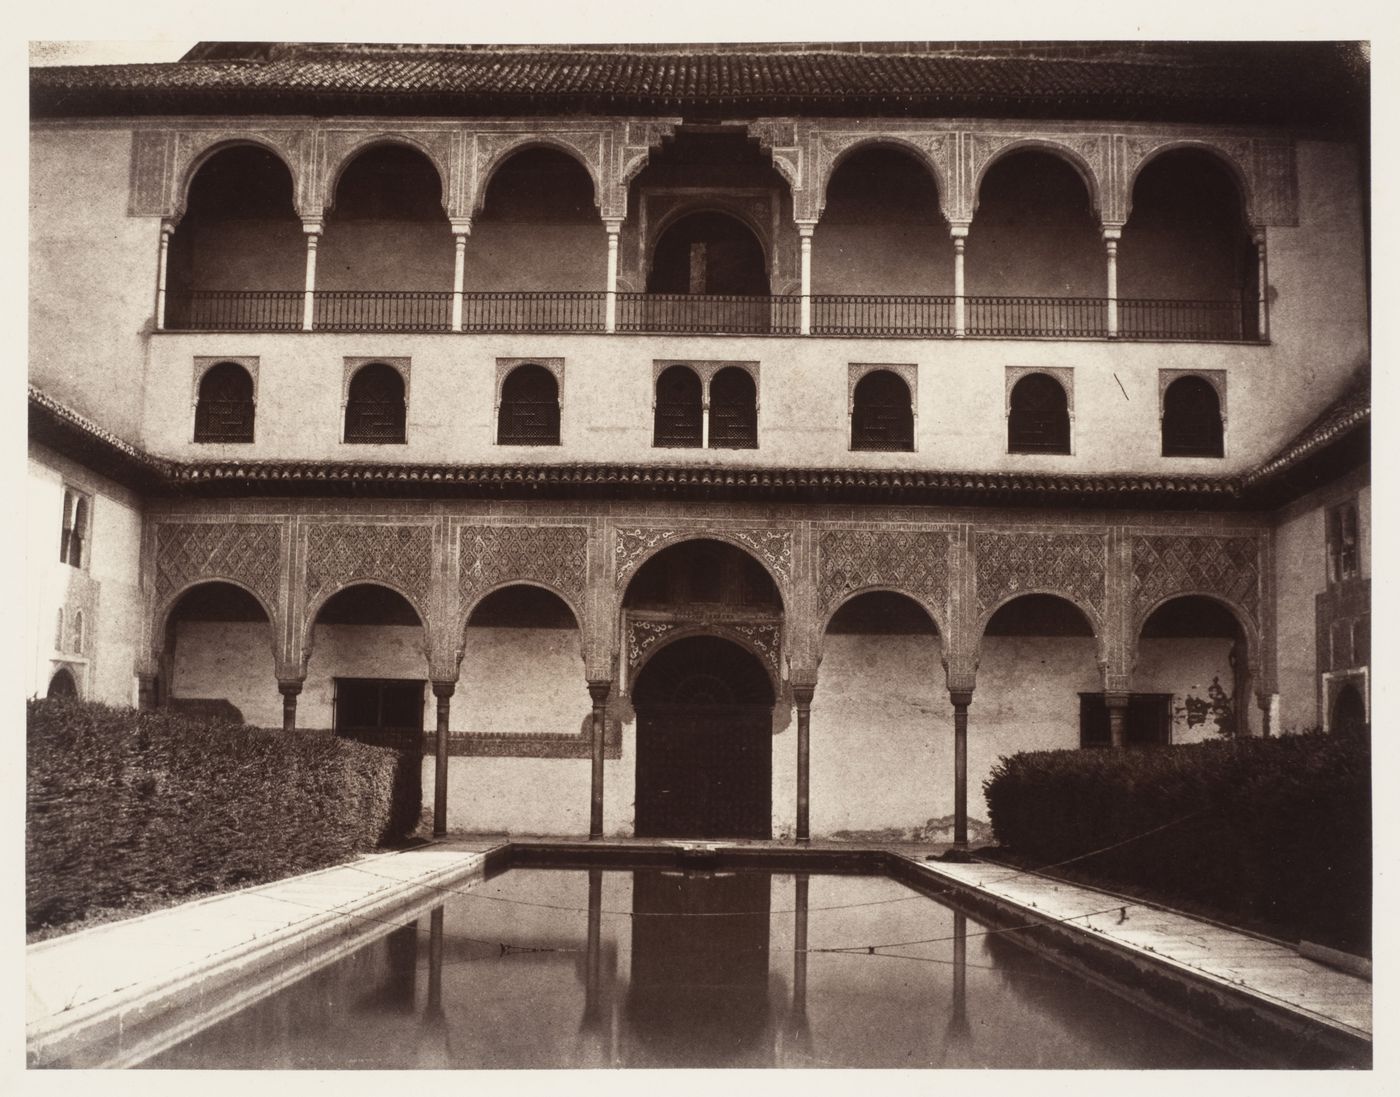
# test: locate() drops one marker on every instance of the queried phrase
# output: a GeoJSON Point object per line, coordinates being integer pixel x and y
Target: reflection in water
{"type": "Point", "coordinates": [556, 968]}
{"type": "Point", "coordinates": [698, 996]}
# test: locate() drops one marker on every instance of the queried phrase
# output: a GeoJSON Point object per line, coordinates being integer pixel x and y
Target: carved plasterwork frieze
{"type": "Point", "coordinates": [1265, 168]}
{"type": "Point", "coordinates": [249, 553]}
{"type": "Point", "coordinates": [1167, 564]}
{"type": "Point", "coordinates": [1072, 564]}
{"type": "Point", "coordinates": [163, 161]}
{"type": "Point", "coordinates": [935, 148]}
{"type": "Point", "coordinates": [1089, 152]}
{"type": "Point", "coordinates": [914, 562]}
{"type": "Point", "coordinates": [632, 545]}
{"type": "Point", "coordinates": [765, 637]}
{"type": "Point", "coordinates": [490, 149]}
{"type": "Point", "coordinates": [339, 146]}
{"type": "Point", "coordinates": [633, 143]}
{"type": "Point", "coordinates": [556, 556]}
{"type": "Point", "coordinates": [339, 554]}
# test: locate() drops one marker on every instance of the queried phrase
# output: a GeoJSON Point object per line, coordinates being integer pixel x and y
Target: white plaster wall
{"type": "Point", "coordinates": [1185, 667]}
{"type": "Point", "coordinates": [113, 622]}
{"type": "Point", "coordinates": [360, 651]}
{"type": "Point", "coordinates": [882, 735]}
{"type": "Point", "coordinates": [517, 680]}
{"type": "Point", "coordinates": [232, 660]}
{"type": "Point", "coordinates": [92, 274]}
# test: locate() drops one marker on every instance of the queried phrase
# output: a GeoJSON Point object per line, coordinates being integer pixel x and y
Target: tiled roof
{"type": "Point", "coordinates": [1259, 82]}
{"type": "Point", "coordinates": [1350, 410]}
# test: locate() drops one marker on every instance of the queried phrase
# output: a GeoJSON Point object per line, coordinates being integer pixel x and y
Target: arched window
{"type": "Point", "coordinates": [375, 410]}
{"type": "Point", "coordinates": [1191, 423]}
{"type": "Point", "coordinates": [75, 518]}
{"type": "Point", "coordinates": [1039, 419]}
{"type": "Point", "coordinates": [78, 632]}
{"type": "Point", "coordinates": [225, 409]}
{"type": "Point", "coordinates": [1343, 543]}
{"type": "Point", "coordinates": [529, 408]}
{"type": "Point", "coordinates": [58, 633]}
{"type": "Point", "coordinates": [678, 411]}
{"type": "Point", "coordinates": [882, 417]}
{"type": "Point", "coordinates": [733, 410]}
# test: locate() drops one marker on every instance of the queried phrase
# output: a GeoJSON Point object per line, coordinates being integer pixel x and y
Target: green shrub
{"type": "Point", "coordinates": [125, 806]}
{"type": "Point", "coordinates": [1272, 829]}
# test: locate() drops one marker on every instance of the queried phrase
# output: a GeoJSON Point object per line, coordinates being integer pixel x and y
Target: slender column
{"type": "Point", "coordinates": [313, 237]}
{"type": "Point", "coordinates": [1268, 710]}
{"type": "Point", "coordinates": [804, 231]}
{"type": "Point", "coordinates": [1117, 703]}
{"type": "Point", "coordinates": [289, 688]}
{"type": "Point", "coordinates": [147, 692]}
{"type": "Point", "coordinates": [460, 231]}
{"type": "Point", "coordinates": [443, 692]}
{"type": "Point", "coordinates": [166, 229]}
{"type": "Point", "coordinates": [959, 283]}
{"type": "Point", "coordinates": [1110, 243]}
{"type": "Point", "coordinates": [961, 698]}
{"type": "Point", "coordinates": [610, 318]}
{"type": "Point", "coordinates": [598, 689]}
{"type": "Point", "coordinates": [705, 417]}
{"type": "Point", "coordinates": [802, 696]}
{"type": "Point", "coordinates": [1260, 245]}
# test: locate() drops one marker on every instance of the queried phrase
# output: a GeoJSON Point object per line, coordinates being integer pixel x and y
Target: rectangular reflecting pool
{"type": "Point", "coordinates": [555, 968]}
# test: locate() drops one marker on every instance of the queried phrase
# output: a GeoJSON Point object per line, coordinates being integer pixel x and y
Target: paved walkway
{"type": "Point", "coordinates": [1267, 969]}
{"type": "Point", "coordinates": [90, 992]}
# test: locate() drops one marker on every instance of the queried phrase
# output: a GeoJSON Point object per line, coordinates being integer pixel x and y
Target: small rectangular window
{"type": "Point", "coordinates": [1343, 543]}
{"type": "Point", "coordinates": [73, 544]}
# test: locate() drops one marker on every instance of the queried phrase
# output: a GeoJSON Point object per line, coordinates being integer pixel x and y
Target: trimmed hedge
{"type": "Point", "coordinates": [1277, 830]}
{"type": "Point", "coordinates": [125, 806]}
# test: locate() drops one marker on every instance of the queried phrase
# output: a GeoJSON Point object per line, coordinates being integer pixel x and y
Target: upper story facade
{"type": "Point", "coordinates": [917, 259]}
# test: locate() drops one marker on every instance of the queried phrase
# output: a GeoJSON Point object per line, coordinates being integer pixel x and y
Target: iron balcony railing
{"type": "Point", "coordinates": [867, 314]}
{"type": "Point", "coordinates": [234, 310]}
{"type": "Point", "coordinates": [535, 311]}
{"type": "Point", "coordinates": [1229, 321]}
{"type": "Point", "coordinates": [1040, 317]}
{"type": "Point", "coordinates": [708, 313]}
{"type": "Point", "coordinates": [539, 311]}
{"type": "Point", "coordinates": [382, 310]}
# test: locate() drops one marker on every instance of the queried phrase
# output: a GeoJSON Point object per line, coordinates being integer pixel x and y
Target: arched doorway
{"type": "Point", "coordinates": [704, 742]}
{"type": "Point", "coordinates": [62, 685]}
{"type": "Point", "coordinates": [1348, 712]}
{"type": "Point", "coordinates": [217, 656]}
{"type": "Point", "coordinates": [709, 252]}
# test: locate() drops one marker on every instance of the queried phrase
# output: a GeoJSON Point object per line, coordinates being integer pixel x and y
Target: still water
{"type": "Point", "coordinates": [556, 968]}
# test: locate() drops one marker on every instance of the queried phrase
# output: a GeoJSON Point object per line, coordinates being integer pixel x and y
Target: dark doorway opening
{"type": "Point", "coordinates": [62, 685]}
{"type": "Point", "coordinates": [1147, 722]}
{"type": "Point", "coordinates": [1349, 712]}
{"type": "Point", "coordinates": [709, 252]}
{"type": "Point", "coordinates": [388, 711]}
{"type": "Point", "coordinates": [704, 742]}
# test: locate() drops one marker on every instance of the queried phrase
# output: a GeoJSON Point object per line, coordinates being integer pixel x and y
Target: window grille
{"type": "Point", "coordinates": [678, 408]}
{"type": "Point", "coordinates": [529, 413]}
{"type": "Point", "coordinates": [225, 409]}
{"type": "Point", "coordinates": [1039, 419]}
{"type": "Point", "coordinates": [1191, 423]}
{"type": "Point", "coordinates": [733, 410]}
{"type": "Point", "coordinates": [883, 416]}
{"type": "Point", "coordinates": [375, 409]}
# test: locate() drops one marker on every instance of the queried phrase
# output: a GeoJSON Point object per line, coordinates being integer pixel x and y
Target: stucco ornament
{"type": "Point", "coordinates": [247, 552]}
{"type": "Point", "coordinates": [554, 555]}
{"type": "Point", "coordinates": [1074, 564]}
{"type": "Point", "coordinates": [632, 545]}
{"type": "Point", "coordinates": [1169, 564]}
{"type": "Point", "coordinates": [340, 554]}
{"type": "Point", "coordinates": [913, 562]}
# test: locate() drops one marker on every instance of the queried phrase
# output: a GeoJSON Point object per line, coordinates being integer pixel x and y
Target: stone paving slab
{"type": "Point", "coordinates": [1268, 969]}
{"type": "Point", "coordinates": [81, 986]}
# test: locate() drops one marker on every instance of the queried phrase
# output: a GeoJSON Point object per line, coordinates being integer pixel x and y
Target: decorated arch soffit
{"type": "Point", "coordinates": [634, 545]}
{"type": "Point", "coordinates": [337, 147]}
{"type": "Point", "coordinates": [1226, 566]}
{"type": "Point", "coordinates": [165, 161]}
{"type": "Point", "coordinates": [910, 561]}
{"type": "Point", "coordinates": [246, 553]}
{"type": "Point", "coordinates": [1072, 565]}
{"type": "Point", "coordinates": [398, 555]}
{"type": "Point", "coordinates": [490, 557]}
{"type": "Point", "coordinates": [763, 638]}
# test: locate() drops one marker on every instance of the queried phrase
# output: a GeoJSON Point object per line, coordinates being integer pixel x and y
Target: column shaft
{"type": "Point", "coordinates": [802, 695]}
{"type": "Point", "coordinates": [147, 692]}
{"type": "Point", "coordinates": [959, 283]}
{"type": "Point", "coordinates": [1116, 702]}
{"type": "Point", "coordinates": [162, 273]}
{"type": "Point", "coordinates": [443, 692]}
{"type": "Point", "coordinates": [610, 307]}
{"type": "Point", "coordinates": [961, 699]}
{"type": "Point", "coordinates": [459, 268]}
{"type": "Point", "coordinates": [289, 688]}
{"type": "Point", "coordinates": [806, 235]}
{"type": "Point", "coordinates": [313, 237]}
{"type": "Point", "coordinates": [1260, 244]}
{"type": "Point", "coordinates": [1110, 242]}
{"type": "Point", "coordinates": [598, 690]}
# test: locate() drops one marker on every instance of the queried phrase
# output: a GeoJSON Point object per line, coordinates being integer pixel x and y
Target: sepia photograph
{"type": "Point", "coordinates": [777, 552]}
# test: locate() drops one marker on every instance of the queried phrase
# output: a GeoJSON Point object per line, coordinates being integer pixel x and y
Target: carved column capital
{"type": "Point", "coordinates": [312, 226]}
{"type": "Point", "coordinates": [1115, 698]}
{"type": "Point", "coordinates": [461, 226]}
{"type": "Point", "coordinates": [802, 694]}
{"type": "Point", "coordinates": [806, 226]}
{"type": "Point", "coordinates": [443, 689]}
{"type": "Point", "coordinates": [1112, 232]}
{"type": "Point", "coordinates": [958, 230]}
{"type": "Point", "coordinates": [960, 698]}
{"type": "Point", "coordinates": [613, 225]}
{"type": "Point", "coordinates": [599, 690]}
{"type": "Point", "coordinates": [290, 687]}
